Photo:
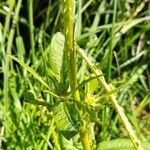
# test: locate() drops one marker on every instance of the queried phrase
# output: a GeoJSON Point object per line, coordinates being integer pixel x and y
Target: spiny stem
{"type": "Point", "coordinates": [84, 136]}
{"type": "Point", "coordinates": [108, 88]}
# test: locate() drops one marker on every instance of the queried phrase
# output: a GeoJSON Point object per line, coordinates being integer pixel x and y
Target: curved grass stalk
{"type": "Point", "coordinates": [109, 88]}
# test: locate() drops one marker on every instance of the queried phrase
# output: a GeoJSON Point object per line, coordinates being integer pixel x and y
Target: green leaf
{"type": "Point", "coordinates": [56, 64]}
{"type": "Point", "coordinates": [67, 119]}
{"type": "Point", "coordinates": [120, 144]}
{"type": "Point", "coordinates": [55, 56]}
{"type": "Point", "coordinates": [93, 114]}
{"type": "Point", "coordinates": [29, 96]}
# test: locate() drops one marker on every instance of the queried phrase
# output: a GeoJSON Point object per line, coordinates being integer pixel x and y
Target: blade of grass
{"type": "Point", "coordinates": [31, 28]}
{"type": "Point", "coordinates": [133, 59]}
{"type": "Point", "coordinates": [143, 104]}
{"type": "Point", "coordinates": [47, 137]}
{"type": "Point", "coordinates": [78, 25]}
{"type": "Point", "coordinates": [36, 76]}
{"type": "Point", "coordinates": [126, 25]}
{"type": "Point", "coordinates": [84, 8]}
{"type": "Point", "coordinates": [20, 47]}
{"type": "Point", "coordinates": [109, 63]}
{"type": "Point", "coordinates": [7, 21]}
{"type": "Point", "coordinates": [8, 50]}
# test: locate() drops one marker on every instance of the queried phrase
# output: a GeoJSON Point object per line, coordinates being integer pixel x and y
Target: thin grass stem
{"type": "Point", "coordinates": [111, 43]}
{"type": "Point", "coordinates": [8, 50]}
{"type": "Point", "coordinates": [31, 28]}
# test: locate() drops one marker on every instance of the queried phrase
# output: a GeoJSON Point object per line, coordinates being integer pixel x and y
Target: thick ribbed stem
{"type": "Point", "coordinates": [69, 55]}
{"type": "Point", "coordinates": [69, 45]}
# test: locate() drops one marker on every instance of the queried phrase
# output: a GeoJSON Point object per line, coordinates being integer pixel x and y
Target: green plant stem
{"type": "Point", "coordinates": [8, 50]}
{"type": "Point", "coordinates": [56, 140]}
{"type": "Point", "coordinates": [50, 131]}
{"type": "Point", "coordinates": [31, 28]}
{"type": "Point", "coordinates": [69, 52]}
{"type": "Point", "coordinates": [84, 136]}
{"type": "Point", "coordinates": [69, 45]}
{"type": "Point", "coordinates": [108, 88]}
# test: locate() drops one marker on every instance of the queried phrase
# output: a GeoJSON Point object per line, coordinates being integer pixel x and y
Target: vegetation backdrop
{"type": "Point", "coordinates": [74, 74]}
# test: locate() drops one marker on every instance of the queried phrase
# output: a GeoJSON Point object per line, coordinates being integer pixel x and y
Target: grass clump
{"type": "Point", "coordinates": [74, 74]}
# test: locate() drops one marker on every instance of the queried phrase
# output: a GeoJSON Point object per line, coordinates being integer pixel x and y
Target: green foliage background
{"type": "Point", "coordinates": [115, 35]}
